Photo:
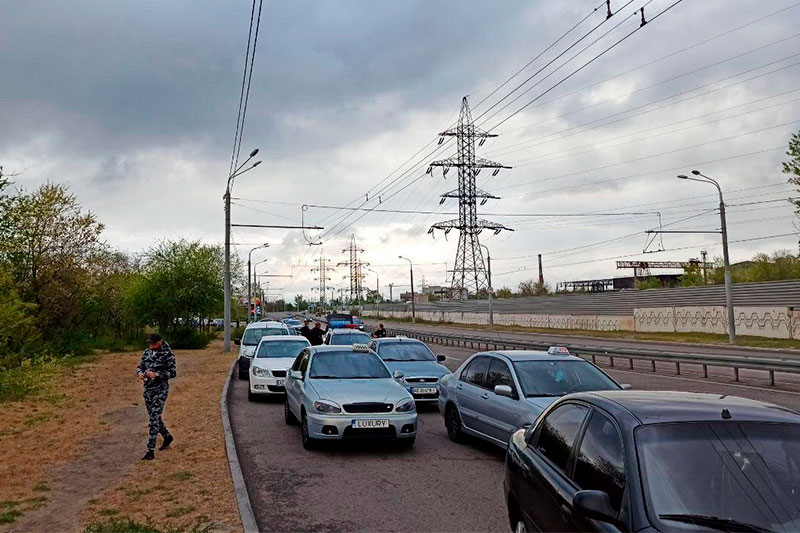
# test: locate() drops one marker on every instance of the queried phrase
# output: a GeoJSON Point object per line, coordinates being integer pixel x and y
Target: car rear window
{"type": "Point", "coordinates": [342, 339]}
{"type": "Point", "coordinates": [253, 335]}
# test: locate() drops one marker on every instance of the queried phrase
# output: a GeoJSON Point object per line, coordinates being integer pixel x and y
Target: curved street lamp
{"type": "Point", "coordinates": [413, 298]}
{"type": "Point", "coordinates": [725, 257]}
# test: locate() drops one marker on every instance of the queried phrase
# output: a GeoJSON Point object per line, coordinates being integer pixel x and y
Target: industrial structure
{"type": "Point", "coordinates": [322, 270]}
{"type": "Point", "coordinates": [469, 270]}
{"type": "Point", "coordinates": [355, 265]}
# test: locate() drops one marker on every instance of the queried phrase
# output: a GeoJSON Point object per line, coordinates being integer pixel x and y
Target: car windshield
{"type": "Point", "coordinates": [287, 348]}
{"type": "Point", "coordinates": [253, 335]}
{"type": "Point", "coordinates": [347, 365]}
{"type": "Point", "coordinates": [405, 351]}
{"type": "Point", "coordinates": [292, 322]}
{"type": "Point", "coordinates": [557, 378]}
{"type": "Point", "coordinates": [342, 339]}
{"type": "Point", "coordinates": [713, 474]}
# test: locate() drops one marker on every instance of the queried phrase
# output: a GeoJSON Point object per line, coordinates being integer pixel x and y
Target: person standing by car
{"type": "Point", "coordinates": [305, 331]}
{"type": "Point", "coordinates": [380, 332]}
{"type": "Point", "coordinates": [155, 370]}
{"type": "Point", "coordinates": [317, 335]}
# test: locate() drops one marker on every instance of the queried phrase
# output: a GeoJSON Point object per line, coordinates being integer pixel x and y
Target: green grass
{"type": "Point", "coordinates": [183, 475]}
{"type": "Point", "coordinates": [128, 525]}
{"type": "Point", "coordinates": [689, 338]}
{"type": "Point", "coordinates": [177, 512]}
{"type": "Point", "coordinates": [33, 375]}
{"type": "Point", "coordinates": [8, 517]}
{"type": "Point", "coordinates": [41, 487]}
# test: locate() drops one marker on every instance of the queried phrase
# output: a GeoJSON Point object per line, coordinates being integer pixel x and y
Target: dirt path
{"type": "Point", "coordinates": [71, 455]}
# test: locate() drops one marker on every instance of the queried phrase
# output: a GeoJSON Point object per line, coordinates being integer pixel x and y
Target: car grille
{"type": "Point", "coordinates": [275, 388]}
{"type": "Point", "coordinates": [362, 433]}
{"type": "Point", "coordinates": [422, 380]}
{"type": "Point", "coordinates": [279, 373]}
{"type": "Point", "coordinates": [368, 407]}
{"type": "Point", "coordinates": [425, 396]}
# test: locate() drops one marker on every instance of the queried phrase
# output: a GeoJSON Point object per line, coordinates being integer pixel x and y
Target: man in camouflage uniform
{"type": "Point", "coordinates": [155, 370]}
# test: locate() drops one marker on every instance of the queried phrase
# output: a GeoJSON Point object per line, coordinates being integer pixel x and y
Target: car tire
{"type": "Point", "coordinates": [288, 416]}
{"type": "Point", "coordinates": [250, 396]}
{"type": "Point", "coordinates": [452, 421]}
{"type": "Point", "coordinates": [308, 442]}
{"type": "Point", "coordinates": [243, 374]}
{"type": "Point", "coordinates": [407, 443]}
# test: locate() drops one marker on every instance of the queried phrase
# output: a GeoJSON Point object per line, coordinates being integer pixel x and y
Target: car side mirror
{"type": "Point", "coordinates": [398, 374]}
{"type": "Point", "coordinates": [440, 358]}
{"type": "Point", "coordinates": [595, 504]}
{"type": "Point", "coordinates": [503, 390]}
{"type": "Point", "coordinates": [237, 342]}
{"type": "Point", "coordinates": [295, 374]}
{"type": "Point", "coordinates": [626, 386]}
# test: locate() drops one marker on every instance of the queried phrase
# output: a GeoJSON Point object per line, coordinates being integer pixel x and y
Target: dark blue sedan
{"type": "Point", "coordinates": [655, 461]}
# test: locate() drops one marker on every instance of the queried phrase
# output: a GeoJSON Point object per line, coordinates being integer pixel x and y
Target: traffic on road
{"type": "Point", "coordinates": [582, 452]}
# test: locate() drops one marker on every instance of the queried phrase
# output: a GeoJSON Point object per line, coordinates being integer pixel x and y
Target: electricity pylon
{"type": "Point", "coordinates": [469, 271]}
{"type": "Point", "coordinates": [355, 275]}
{"type": "Point", "coordinates": [322, 268]}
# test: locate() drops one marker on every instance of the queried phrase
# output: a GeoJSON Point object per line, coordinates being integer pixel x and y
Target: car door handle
{"type": "Point", "coordinates": [485, 395]}
{"type": "Point", "coordinates": [459, 386]}
{"type": "Point", "coordinates": [566, 514]}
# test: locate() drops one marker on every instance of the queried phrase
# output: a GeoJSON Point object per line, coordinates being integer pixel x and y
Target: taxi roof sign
{"type": "Point", "coordinates": [360, 348]}
{"type": "Point", "coordinates": [558, 350]}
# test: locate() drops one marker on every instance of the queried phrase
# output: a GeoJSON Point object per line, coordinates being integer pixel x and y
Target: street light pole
{"type": "Point", "coordinates": [489, 272]}
{"type": "Point", "coordinates": [377, 292]}
{"type": "Point", "coordinates": [249, 292]}
{"type": "Point", "coordinates": [227, 274]}
{"type": "Point", "coordinates": [413, 297]}
{"type": "Point", "coordinates": [725, 255]}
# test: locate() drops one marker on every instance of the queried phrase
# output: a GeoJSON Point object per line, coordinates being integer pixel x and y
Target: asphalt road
{"type": "Point", "coordinates": [596, 341]}
{"type": "Point", "coordinates": [436, 486]}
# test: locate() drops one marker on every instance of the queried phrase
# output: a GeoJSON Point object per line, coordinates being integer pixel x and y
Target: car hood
{"type": "Point", "coordinates": [411, 369]}
{"type": "Point", "coordinates": [273, 363]}
{"type": "Point", "coordinates": [542, 402]}
{"type": "Point", "coordinates": [359, 390]}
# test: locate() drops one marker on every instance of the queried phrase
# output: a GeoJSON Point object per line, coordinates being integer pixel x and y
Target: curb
{"type": "Point", "coordinates": [240, 489]}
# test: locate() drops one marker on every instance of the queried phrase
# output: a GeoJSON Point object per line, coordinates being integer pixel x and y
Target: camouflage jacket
{"type": "Point", "coordinates": [160, 361]}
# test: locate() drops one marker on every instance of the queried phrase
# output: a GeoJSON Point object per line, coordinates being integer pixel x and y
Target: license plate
{"type": "Point", "coordinates": [279, 383]}
{"type": "Point", "coordinates": [424, 390]}
{"type": "Point", "coordinates": [370, 424]}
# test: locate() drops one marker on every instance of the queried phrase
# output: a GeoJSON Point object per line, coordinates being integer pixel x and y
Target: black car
{"type": "Point", "coordinates": [655, 461]}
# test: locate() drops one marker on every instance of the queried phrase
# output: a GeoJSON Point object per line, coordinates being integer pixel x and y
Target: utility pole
{"type": "Point", "coordinates": [227, 274]}
{"type": "Point", "coordinates": [541, 275]}
{"type": "Point", "coordinates": [377, 291]}
{"type": "Point", "coordinates": [413, 296]}
{"type": "Point", "coordinates": [323, 278]}
{"type": "Point", "coordinates": [355, 265]}
{"type": "Point", "coordinates": [249, 292]}
{"type": "Point", "coordinates": [469, 271]}
{"type": "Point", "coordinates": [704, 253]}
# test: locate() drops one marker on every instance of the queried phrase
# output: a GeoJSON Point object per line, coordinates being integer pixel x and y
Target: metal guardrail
{"type": "Point", "coordinates": [766, 364]}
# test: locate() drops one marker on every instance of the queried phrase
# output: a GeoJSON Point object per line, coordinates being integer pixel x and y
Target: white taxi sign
{"type": "Point", "coordinates": [360, 348]}
{"type": "Point", "coordinates": [558, 350]}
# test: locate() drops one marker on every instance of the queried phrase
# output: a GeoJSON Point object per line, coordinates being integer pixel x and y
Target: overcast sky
{"type": "Point", "coordinates": [133, 104]}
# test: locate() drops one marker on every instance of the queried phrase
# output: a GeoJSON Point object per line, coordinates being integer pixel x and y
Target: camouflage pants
{"type": "Point", "coordinates": [154, 399]}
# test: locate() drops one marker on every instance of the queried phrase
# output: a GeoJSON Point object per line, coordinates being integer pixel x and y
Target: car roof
{"type": "Point", "coordinates": [386, 340]}
{"type": "Point", "coordinates": [531, 355]}
{"type": "Point", "coordinates": [655, 407]}
{"type": "Point", "coordinates": [347, 330]}
{"type": "Point", "coordinates": [266, 323]}
{"type": "Point", "coordinates": [281, 338]}
{"type": "Point", "coordinates": [335, 348]}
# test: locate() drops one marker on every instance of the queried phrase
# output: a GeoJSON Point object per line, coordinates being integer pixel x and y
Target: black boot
{"type": "Point", "coordinates": [167, 441]}
{"type": "Point", "coordinates": [149, 456]}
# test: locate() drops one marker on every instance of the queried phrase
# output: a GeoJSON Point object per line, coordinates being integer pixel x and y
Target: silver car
{"type": "Point", "coordinates": [341, 392]}
{"type": "Point", "coordinates": [422, 369]}
{"type": "Point", "coordinates": [346, 337]}
{"type": "Point", "coordinates": [493, 394]}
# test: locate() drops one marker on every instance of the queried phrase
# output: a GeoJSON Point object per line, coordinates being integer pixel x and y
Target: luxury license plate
{"type": "Point", "coordinates": [424, 390]}
{"type": "Point", "coordinates": [370, 424]}
{"type": "Point", "coordinates": [279, 383]}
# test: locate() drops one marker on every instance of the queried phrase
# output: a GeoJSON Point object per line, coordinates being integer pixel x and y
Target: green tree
{"type": "Point", "coordinates": [792, 167]}
{"type": "Point", "coordinates": [692, 276]}
{"type": "Point", "coordinates": [649, 283]}
{"type": "Point", "coordinates": [300, 303]}
{"type": "Point", "coordinates": [505, 292]}
{"type": "Point", "coordinates": [532, 287]}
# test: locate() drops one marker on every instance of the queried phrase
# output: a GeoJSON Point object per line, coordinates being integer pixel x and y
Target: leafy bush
{"type": "Point", "coordinates": [188, 339]}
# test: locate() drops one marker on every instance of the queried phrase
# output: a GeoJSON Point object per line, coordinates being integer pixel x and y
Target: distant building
{"type": "Point", "coordinates": [418, 298]}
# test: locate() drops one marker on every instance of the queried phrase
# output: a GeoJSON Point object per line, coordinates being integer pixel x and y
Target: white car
{"type": "Point", "coordinates": [252, 334]}
{"type": "Point", "coordinates": [273, 356]}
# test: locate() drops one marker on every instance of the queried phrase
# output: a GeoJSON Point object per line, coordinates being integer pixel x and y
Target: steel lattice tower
{"type": "Point", "coordinates": [323, 269]}
{"type": "Point", "coordinates": [469, 271]}
{"type": "Point", "coordinates": [355, 264]}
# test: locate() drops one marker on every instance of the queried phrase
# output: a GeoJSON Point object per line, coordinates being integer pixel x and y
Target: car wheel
{"type": "Point", "coordinates": [243, 374]}
{"type": "Point", "coordinates": [308, 442]}
{"type": "Point", "coordinates": [407, 443]}
{"type": "Point", "coordinates": [288, 416]}
{"type": "Point", "coordinates": [250, 396]}
{"type": "Point", "coordinates": [452, 421]}
{"type": "Point", "coordinates": [521, 527]}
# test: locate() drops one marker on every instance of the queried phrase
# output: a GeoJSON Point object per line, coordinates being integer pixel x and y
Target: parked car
{"type": "Point", "coordinates": [344, 321]}
{"type": "Point", "coordinates": [273, 357]}
{"type": "Point", "coordinates": [344, 337]}
{"type": "Point", "coordinates": [493, 394]}
{"type": "Point", "coordinates": [252, 334]}
{"type": "Point", "coordinates": [342, 392]}
{"type": "Point", "coordinates": [656, 461]}
{"type": "Point", "coordinates": [422, 369]}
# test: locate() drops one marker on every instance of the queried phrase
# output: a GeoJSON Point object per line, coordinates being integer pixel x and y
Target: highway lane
{"type": "Point", "coordinates": [594, 341]}
{"type": "Point", "coordinates": [436, 486]}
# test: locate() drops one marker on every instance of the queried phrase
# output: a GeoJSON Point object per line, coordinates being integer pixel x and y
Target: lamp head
{"type": "Point", "coordinates": [254, 152]}
{"type": "Point", "coordinates": [683, 177]}
{"type": "Point", "coordinates": [256, 164]}
{"type": "Point", "coordinates": [696, 172]}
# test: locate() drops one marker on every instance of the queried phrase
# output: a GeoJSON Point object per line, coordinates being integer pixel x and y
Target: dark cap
{"type": "Point", "coordinates": [153, 338]}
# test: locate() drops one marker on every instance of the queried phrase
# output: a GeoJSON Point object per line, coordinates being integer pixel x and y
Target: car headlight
{"type": "Point", "coordinates": [405, 406]}
{"type": "Point", "coordinates": [260, 372]}
{"type": "Point", "coordinates": [327, 406]}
